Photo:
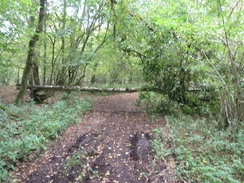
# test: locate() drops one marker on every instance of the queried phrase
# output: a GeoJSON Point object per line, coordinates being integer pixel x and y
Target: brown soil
{"type": "Point", "coordinates": [9, 93]}
{"type": "Point", "coordinates": [112, 144]}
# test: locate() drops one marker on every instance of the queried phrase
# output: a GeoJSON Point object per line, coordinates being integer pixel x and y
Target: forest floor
{"type": "Point", "coordinates": [111, 144]}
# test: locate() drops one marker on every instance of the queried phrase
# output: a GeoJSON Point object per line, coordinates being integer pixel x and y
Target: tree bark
{"type": "Point", "coordinates": [29, 60]}
{"type": "Point", "coordinates": [45, 55]}
{"type": "Point", "coordinates": [36, 73]}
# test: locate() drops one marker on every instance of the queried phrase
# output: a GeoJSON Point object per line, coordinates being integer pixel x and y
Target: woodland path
{"type": "Point", "coordinates": [110, 145]}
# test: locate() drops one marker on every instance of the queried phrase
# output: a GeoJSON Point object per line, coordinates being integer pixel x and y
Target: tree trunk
{"type": "Point", "coordinates": [30, 78]}
{"type": "Point", "coordinates": [18, 80]}
{"type": "Point", "coordinates": [29, 60]}
{"type": "Point", "coordinates": [61, 79]}
{"type": "Point", "coordinates": [45, 48]}
{"type": "Point", "coordinates": [114, 18]}
{"type": "Point", "coordinates": [36, 73]}
{"type": "Point", "coordinates": [44, 59]}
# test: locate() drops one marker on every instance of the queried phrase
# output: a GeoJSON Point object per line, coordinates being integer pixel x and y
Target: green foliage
{"type": "Point", "coordinates": [202, 152]}
{"type": "Point", "coordinates": [65, 95]}
{"type": "Point", "coordinates": [173, 67]}
{"type": "Point", "coordinates": [26, 129]}
{"type": "Point", "coordinates": [78, 164]}
{"type": "Point", "coordinates": [74, 160]}
{"type": "Point", "coordinates": [197, 44]}
{"type": "Point", "coordinates": [157, 103]}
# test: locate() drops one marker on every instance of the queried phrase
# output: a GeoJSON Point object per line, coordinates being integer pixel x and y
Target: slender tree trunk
{"type": "Point", "coordinates": [36, 73]}
{"type": "Point", "coordinates": [29, 60]}
{"type": "Point", "coordinates": [53, 60]}
{"type": "Point", "coordinates": [34, 76]}
{"type": "Point", "coordinates": [30, 78]}
{"type": "Point", "coordinates": [61, 80]}
{"type": "Point", "coordinates": [93, 78]}
{"type": "Point", "coordinates": [45, 58]}
{"type": "Point", "coordinates": [114, 16]}
{"type": "Point", "coordinates": [45, 47]}
{"type": "Point", "coordinates": [32, 26]}
{"type": "Point", "coordinates": [18, 80]}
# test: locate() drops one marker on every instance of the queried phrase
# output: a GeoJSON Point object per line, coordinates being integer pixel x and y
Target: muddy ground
{"type": "Point", "coordinates": [112, 144]}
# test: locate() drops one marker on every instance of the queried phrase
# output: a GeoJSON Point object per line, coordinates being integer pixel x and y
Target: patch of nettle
{"type": "Point", "coordinates": [201, 151]}
{"type": "Point", "coordinates": [27, 128]}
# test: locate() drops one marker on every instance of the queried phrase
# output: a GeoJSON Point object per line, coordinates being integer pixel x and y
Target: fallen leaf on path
{"type": "Point", "coordinates": [107, 173]}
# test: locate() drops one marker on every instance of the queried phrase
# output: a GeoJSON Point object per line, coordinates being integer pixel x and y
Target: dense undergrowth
{"type": "Point", "coordinates": [203, 151]}
{"type": "Point", "coordinates": [28, 128]}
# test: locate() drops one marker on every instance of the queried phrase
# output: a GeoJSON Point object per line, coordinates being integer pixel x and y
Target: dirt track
{"type": "Point", "coordinates": [111, 144]}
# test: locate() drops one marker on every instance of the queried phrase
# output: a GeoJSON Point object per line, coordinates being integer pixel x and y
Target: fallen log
{"type": "Point", "coordinates": [79, 88]}
{"type": "Point", "coordinates": [39, 93]}
{"type": "Point", "coordinates": [95, 89]}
